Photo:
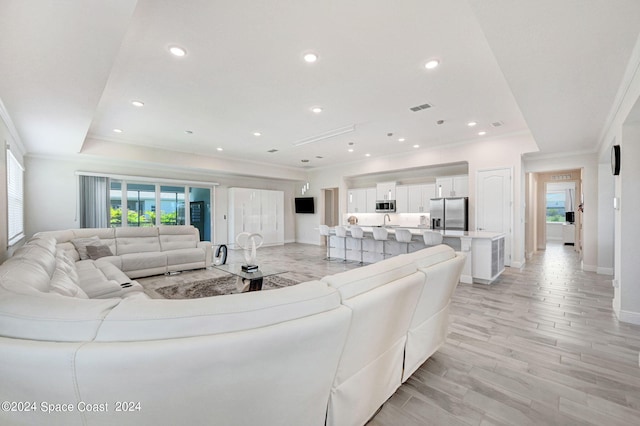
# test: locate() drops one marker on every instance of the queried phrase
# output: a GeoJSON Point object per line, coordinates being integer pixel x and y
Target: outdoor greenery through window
{"type": "Point", "coordinates": [176, 205]}
{"type": "Point", "coordinates": [556, 206]}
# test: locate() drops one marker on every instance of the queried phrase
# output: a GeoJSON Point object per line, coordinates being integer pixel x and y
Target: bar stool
{"type": "Point", "coordinates": [358, 234]}
{"type": "Point", "coordinates": [380, 234]}
{"type": "Point", "coordinates": [341, 232]}
{"type": "Point", "coordinates": [324, 232]}
{"type": "Point", "coordinates": [404, 236]}
{"type": "Point", "coordinates": [432, 238]}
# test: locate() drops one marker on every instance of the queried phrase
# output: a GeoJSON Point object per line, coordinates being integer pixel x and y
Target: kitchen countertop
{"type": "Point", "coordinates": [446, 234]}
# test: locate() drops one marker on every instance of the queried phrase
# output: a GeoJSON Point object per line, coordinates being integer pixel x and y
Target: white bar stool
{"type": "Point", "coordinates": [341, 232]}
{"type": "Point", "coordinates": [432, 238]}
{"type": "Point", "coordinates": [404, 236]}
{"type": "Point", "coordinates": [324, 231]}
{"type": "Point", "coordinates": [358, 234]}
{"type": "Point", "coordinates": [381, 234]}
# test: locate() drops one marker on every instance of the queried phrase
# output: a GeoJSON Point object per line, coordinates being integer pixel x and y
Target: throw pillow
{"type": "Point", "coordinates": [82, 243]}
{"type": "Point", "coordinates": [96, 252]}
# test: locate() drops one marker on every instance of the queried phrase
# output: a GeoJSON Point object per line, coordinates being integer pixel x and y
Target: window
{"type": "Point", "coordinates": [555, 206]}
{"type": "Point", "coordinates": [141, 204]}
{"type": "Point", "coordinates": [15, 199]}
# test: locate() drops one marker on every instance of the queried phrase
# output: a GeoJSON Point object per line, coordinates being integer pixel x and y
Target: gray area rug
{"type": "Point", "coordinates": [217, 287]}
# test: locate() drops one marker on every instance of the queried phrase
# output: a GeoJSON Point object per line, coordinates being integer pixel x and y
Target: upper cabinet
{"type": "Point", "coordinates": [385, 191]}
{"type": "Point", "coordinates": [452, 186]}
{"type": "Point", "coordinates": [418, 197]}
{"type": "Point", "coordinates": [361, 200]}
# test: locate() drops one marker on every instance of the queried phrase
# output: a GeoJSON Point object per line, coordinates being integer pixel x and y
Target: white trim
{"type": "Point", "coordinates": [517, 265]}
{"type": "Point", "coordinates": [604, 271]}
{"type": "Point", "coordinates": [589, 268]}
{"type": "Point", "coordinates": [627, 316]}
{"type": "Point", "coordinates": [147, 179]}
{"type": "Point", "coordinates": [16, 142]}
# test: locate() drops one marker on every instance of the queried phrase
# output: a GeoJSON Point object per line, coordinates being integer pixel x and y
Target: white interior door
{"type": "Point", "coordinates": [494, 204]}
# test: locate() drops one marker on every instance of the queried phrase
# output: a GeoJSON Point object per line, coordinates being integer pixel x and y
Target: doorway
{"type": "Point", "coordinates": [553, 213]}
{"type": "Point", "coordinates": [494, 201]}
{"type": "Point", "coordinates": [331, 213]}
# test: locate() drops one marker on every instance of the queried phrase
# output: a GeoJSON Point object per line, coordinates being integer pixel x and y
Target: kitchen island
{"type": "Point", "coordinates": [484, 250]}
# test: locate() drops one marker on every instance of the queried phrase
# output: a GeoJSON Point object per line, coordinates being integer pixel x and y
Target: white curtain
{"type": "Point", "coordinates": [94, 202]}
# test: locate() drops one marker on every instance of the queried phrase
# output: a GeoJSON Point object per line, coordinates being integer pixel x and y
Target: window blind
{"type": "Point", "coordinates": [15, 199]}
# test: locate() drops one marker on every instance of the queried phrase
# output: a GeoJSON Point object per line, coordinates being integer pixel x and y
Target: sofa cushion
{"type": "Point", "coordinates": [185, 256]}
{"type": "Point", "coordinates": [37, 255]}
{"type": "Point", "coordinates": [178, 237]}
{"type": "Point", "coordinates": [51, 317]}
{"type": "Point", "coordinates": [82, 243]}
{"type": "Point", "coordinates": [62, 284]}
{"type": "Point", "coordinates": [136, 240]}
{"type": "Point", "coordinates": [358, 281]}
{"type": "Point", "coordinates": [140, 261]}
{"type": "Point", "coordinates": [95, 252]}
{"type": "Point", "coordinates": [111, 272]}
{"type": "Point", "coordinates": [67, 266]}
{"type": "Point", "coordinates": [24, 276]}
{"type": "Point", "coordinates": [430, 255]}
{"type": "Point", "coordinates": [155, 319]}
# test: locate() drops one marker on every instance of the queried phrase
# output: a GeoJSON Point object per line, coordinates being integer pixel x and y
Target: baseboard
{"type": "Point", "coordinates": [627, 316]}
{"type": "Point", "coordinates": [604, 271]}
{"type": "Point", "coordinates": [466, 279]}
{"type": "Point", "coordinates": [517, 264]}
{"type": "Point", "coordinates": [589, 268]}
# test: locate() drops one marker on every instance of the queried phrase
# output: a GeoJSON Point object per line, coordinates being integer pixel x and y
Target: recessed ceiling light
{"type": "Point", "coordinates": [401, 140]}
{"type": "Point", "coordinates": [431, 64]}
{"type": "Point", "coordinates": [257, 134]}
{"type": "Point", "coordinates": [367, 155]}
{"type": "Point", "coordinates": [482, 133]}
{"type": "Point", "coordinates": [416, 146]}
{"type": "Point", "coordinates": [316, 110]}
{"type": "Point", "coordinates": [117, 130]}
{"type": "Point", "coordinates": [471, 123]}
{"type": "Point", "coordinates": [177, 51]}
{"type": "Point", "coordinates": [350, 150]}
{"type": "Point", "coordinates": [137, 103]}
{"type": "Point", "coordinates": [219, 149]}
{"type": "Point", "coordinates": [310, 57]}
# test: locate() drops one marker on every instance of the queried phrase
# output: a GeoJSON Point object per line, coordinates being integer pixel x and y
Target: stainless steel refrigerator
{"type": "Point", "coordinates": [449, 213]}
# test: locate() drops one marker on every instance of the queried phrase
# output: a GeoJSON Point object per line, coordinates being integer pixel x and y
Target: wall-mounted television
{"type": "Point", "coordinates": [305, 205]}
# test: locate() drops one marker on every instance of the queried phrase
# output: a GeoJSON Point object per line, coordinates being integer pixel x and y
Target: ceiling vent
{"type": "Point", "coordinates": [272, 150]}
{"type": "Point", "coordinates": [420, 107]}
{"type": "Point", "coordinates": [497, 124]}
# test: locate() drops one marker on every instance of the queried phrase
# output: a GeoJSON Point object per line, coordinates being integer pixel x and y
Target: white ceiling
{"type": "Point", "coordinates": [70, 68]}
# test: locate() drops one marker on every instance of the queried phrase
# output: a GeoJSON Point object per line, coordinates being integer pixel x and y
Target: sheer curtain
{"type": "Point", "coordinates": [94, 201]}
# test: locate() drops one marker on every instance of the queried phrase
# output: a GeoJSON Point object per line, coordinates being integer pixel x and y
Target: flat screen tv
{"type": "Point", "coordinates": [304, 205]}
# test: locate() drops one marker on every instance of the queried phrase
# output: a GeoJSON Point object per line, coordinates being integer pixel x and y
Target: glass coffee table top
{"type": "Point", "coordinates": [261, 272]}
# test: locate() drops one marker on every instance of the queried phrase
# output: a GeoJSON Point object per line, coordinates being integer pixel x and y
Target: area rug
{"type": "Point", "coordinates": [217, 287]}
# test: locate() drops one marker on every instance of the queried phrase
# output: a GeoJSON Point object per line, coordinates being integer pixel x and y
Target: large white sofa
{"type": "Point", "coordinates": [321, 352]}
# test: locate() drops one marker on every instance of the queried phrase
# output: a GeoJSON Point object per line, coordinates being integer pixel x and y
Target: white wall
{"type": "Point", "coordinates": [51, 190]}
{"type": "Point", "coordinates": [623, 130]}
{"type": "Point", "coordinates": [606, 228]}
{"type": "Point", "coordinates": [487, 154]}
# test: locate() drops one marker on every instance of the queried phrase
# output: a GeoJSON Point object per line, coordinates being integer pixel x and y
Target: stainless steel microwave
{"type": "Point", "coordinates": [385, 206]}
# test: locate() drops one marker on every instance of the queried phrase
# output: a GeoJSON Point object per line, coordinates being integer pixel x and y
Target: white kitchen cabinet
{"type": "Point", "coordinates": [385, 191]}
{"type": "Point", "coordinates": [370, 206]}
{"type": "Point", "coordinates": [418, 197]}
{"type": "Point", "coordinates": [359, 200]}
{"type": "Point", "coordinates": [452, 186]}
{"type": "Point", "coordinates": [402, 200]}
{"type": "Point", "coordinates": [256, 211]}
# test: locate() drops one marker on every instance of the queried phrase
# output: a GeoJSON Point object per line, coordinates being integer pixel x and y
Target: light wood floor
{"type": "Point", "coordinates": [540, 346]}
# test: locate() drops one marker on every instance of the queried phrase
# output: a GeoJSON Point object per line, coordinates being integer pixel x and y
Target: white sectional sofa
{"type": "Point", "coordinates": [321, 352]}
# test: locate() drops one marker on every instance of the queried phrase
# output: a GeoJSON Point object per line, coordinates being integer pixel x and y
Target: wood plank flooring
{"type": "Point", "coordinates": [540, 346]}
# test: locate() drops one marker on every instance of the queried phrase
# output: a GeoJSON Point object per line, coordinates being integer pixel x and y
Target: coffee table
{"type": "Point", "coordinates": [253, 278]}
